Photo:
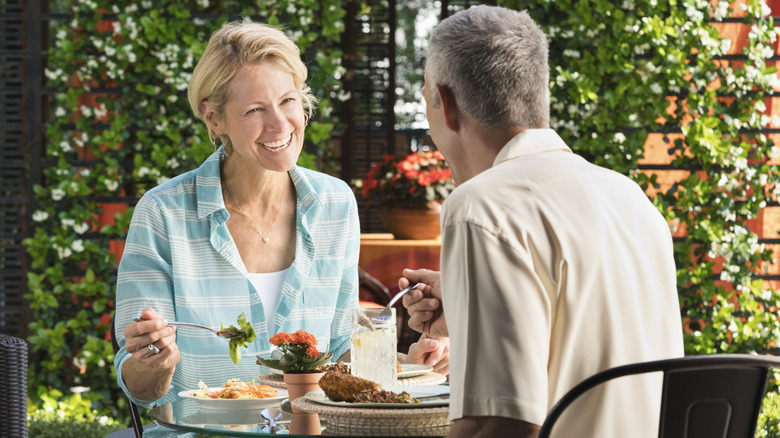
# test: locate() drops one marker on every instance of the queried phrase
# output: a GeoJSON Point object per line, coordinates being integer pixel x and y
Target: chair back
{"type": "Point", "coordinates": [708, 396]}
{"type": "Point", "coordinates": [135, 415]}
{"type": "Point", "coordinates": [13, 386]}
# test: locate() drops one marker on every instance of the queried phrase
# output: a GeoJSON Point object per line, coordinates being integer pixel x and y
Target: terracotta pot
{"type": "Point", "coordinates": [305, 424]}
{"type": "Point", "coordinates": [409, 223]}
{"type": "Point", "coordinates": [299, 384]}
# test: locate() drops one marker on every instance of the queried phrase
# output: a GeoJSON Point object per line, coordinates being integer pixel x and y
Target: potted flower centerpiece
{"type": "Point", "coordinates": [410, 191]}
{"type": "Point", "coordinates": [296, 355]}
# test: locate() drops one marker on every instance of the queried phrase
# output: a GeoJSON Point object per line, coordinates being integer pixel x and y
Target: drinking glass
{"type": "Point", "coordinates": [374, 345]}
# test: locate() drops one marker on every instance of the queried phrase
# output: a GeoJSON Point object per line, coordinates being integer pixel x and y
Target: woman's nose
{"type": "Point", "coordinates": [275, 120]}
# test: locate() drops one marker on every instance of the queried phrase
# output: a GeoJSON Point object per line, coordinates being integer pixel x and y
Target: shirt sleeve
{"type": "Point", "coordinates": [144, 279]}
{"type": "Point", "coordinates": [498, 317]}
{"type": "Point", "coordinates": [348, 291]}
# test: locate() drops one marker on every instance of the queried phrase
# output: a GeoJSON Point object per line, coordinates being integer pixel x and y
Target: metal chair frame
{"type": "Point", "coordinates": [694, 388]}
{"type": "Point", "coordinates": [135, 414]}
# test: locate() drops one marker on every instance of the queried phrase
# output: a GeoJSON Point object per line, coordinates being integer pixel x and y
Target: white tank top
{"type": "Point", "coordinates": [269, 286]}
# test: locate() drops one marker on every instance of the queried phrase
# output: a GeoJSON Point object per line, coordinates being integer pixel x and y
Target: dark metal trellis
{"type": "Point", "coordinates": [21, 128]}
{"type": "Point", "coordinates": [369, 115]}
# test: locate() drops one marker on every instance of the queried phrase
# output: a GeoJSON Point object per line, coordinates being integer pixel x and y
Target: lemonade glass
{"type": "Point", "coordinates": [373, 354]}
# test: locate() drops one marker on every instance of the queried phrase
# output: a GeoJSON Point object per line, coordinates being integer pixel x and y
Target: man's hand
{"type": "Point", "coordinates": [426, 314]}
{"type": "Point", "coordinates": [434, 352]}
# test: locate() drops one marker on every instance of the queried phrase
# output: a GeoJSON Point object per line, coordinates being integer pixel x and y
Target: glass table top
{"type": "Point", "coordinates": [187, 416]}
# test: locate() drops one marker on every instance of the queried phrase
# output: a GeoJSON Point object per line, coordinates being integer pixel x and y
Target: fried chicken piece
{"type": "Point", "coordinates": [344, 387]}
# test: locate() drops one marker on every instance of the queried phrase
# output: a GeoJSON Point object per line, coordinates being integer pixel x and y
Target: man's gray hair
{"type": "Point", "coordinates": [495, 62]}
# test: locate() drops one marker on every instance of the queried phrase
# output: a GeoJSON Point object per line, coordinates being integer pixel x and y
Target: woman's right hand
{"type": "Point", "coordinates": [152, 330]}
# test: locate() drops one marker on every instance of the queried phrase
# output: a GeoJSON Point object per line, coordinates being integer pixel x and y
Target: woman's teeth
{"type": "Point", "coordinates": [276, 145]}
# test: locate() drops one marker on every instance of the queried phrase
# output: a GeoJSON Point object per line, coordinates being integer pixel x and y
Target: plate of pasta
{"type": "Point", "coordinates": [235, 395]}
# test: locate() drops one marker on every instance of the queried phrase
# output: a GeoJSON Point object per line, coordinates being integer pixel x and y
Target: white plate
{"type": "Point", "coordinates": [407, 370]}
{"type": "Point", "coordinates": [413, 370]}
{"type": "Point", "coordinates": [413, 390]}
{"type": "Point", "coordinates": [226, 404]}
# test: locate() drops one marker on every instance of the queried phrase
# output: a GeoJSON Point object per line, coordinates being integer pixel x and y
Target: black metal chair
{"type": "Point", "coordinates": [706, 396]}
{"type": "Point", "coordinates": [13, 386]}
{"type": "Point", "coordinates": [135, 414]}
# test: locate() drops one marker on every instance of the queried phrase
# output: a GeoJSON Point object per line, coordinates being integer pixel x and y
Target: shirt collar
{"type": "Point", "coordinates": [531, 141]}
{"type": "Point", "coordinates": [209, 187]}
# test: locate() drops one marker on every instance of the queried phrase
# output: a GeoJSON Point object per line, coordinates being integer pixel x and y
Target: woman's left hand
{"type": "Point", "coordinates": [431, 351]}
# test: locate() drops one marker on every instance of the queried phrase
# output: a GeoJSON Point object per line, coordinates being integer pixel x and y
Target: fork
{"type": "Point", "coordinates": [227, 334]}
{"type": "Point", "coordinates": [384, 315]}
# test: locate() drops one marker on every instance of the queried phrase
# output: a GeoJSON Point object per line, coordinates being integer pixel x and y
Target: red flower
{"type": "Point", "coordinates": [281, 339]}
{"type": "Point", "coordinates": [424, 179]}
{"type": "Point", "coordinates": [405, 181]}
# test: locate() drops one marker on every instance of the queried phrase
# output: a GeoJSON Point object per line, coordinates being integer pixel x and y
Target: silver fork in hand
{"type": "Point", "coordinates": [384, 315]}
{"type": "Point", "coordinates": [228, 334]}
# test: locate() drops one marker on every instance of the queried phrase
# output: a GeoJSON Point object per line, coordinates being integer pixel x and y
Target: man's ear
{"type": "Point", "coordinates": [450, 108]}
{"type": "Point", "coordinates": [209, 115]}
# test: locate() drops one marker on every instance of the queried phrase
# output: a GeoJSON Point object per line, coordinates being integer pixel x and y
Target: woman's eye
{"type": "Point", "coordinates": [289, 99]}
{"type": "Point", "coordinates": [253, 110]}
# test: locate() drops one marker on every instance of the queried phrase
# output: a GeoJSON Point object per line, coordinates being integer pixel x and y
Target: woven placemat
{"type": "Point", "coordinates": [417, 421]}
{"type": "Point", "coordinates": [277, 380]}
{"type": "Point", "coordinates": [273, 380]}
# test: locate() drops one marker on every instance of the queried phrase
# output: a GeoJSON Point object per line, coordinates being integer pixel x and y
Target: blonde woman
{"type": "Point", "coordinates": [246, 232]}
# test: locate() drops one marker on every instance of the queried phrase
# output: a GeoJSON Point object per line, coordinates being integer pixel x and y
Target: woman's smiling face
{"type": "Point", "coordinates": [264, 116]}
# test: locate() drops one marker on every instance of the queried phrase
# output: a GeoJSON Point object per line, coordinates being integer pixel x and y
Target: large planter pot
{"type": "Point", "coordinates": [299, 384]}
{"type": "Point", "coordinates": [413, 223]}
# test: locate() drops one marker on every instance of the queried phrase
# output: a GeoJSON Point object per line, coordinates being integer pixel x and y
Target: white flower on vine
{"type": "Point", "coordinates": [765, 9]}
{"type": "Point", "coordinates": [721, 10]}
{"type": "Point", "coordinates": [64, 253]}
{"type": "Point", "coordinates": [78, 245]}
{"type": "Point", "coordinates": [67, 223]}
{"type": "Point", "coordinates": [100, 111]}
{"type": "Point", "coordinates": [40, 216]}
{"type": "Point", "coordinates": [81, 228]}
{"type": "Point", "coordinates": [57, 194]}
{"type": "Point", "coordinates": [572, 53]}
{"type": "Point", "coordinates": [172, 162]}
{"type": "Point", "coordinates": [111, 184]}
{"type": "Point", "coordinates": [65, 146]}
{"type": "Point", "coordinates": [295, 35]}
{"type": "Point", "coordinates": [344, 96]}
{"type": "Point", "coordinates": [655, 88]}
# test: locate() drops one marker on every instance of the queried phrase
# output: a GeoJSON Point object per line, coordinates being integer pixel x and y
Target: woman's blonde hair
{"type": "Point", "coordinates": [232, 47]}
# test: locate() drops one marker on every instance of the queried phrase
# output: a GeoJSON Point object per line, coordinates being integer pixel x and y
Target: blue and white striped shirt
{"type": "Point", "coordinates": [181, 260]}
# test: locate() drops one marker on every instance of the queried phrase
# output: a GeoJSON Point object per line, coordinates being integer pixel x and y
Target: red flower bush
{"type": "Point", "coordinates": [418, 178]}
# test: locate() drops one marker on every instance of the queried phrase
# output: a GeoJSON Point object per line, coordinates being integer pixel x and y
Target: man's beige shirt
{"type": "Point", "coordinates": [552, 270]}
